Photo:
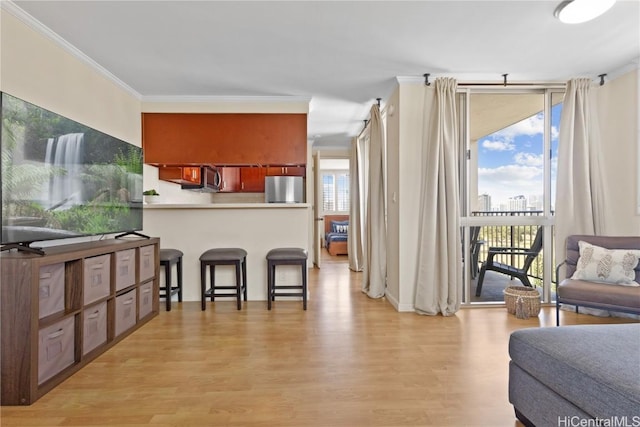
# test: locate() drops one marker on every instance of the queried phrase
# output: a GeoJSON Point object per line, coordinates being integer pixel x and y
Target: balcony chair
{"type": "Point", "coordinates": [474, 250]}
{"type": "Point", "coordinates": [520, 272]}
{"type": "Point", "coordinates": [475, 245]}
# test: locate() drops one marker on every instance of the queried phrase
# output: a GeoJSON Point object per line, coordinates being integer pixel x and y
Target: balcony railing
{"type": "Point", "coordinates": [515, 236]}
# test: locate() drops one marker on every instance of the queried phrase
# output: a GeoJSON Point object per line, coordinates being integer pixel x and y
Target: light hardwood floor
{"type": "Point", "coordinates": [347, 361]}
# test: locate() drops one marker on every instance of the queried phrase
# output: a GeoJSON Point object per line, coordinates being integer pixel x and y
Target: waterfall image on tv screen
{"type": "Point", "coordinates": [63, 179]}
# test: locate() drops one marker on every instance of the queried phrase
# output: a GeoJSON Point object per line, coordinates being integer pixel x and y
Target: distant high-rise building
{"type": "Point", "coordinates": [484, 203]}
{"type": "Point", "coordinates": [535, 203]}
{"type": "Point", "coordinates": [518, 203]}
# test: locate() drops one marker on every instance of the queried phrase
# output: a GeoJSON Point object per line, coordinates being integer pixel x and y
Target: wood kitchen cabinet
{"type": "Point", "coordinates": [229, 179]}
{"type": "Point", "coordinates": [286, 170]}
{"type": "Point", "coordinates": [180, 175]}
{"type": "Point", "coordinates": [252, 179]}
{"type": "Point", "coordinates": [174, 139]}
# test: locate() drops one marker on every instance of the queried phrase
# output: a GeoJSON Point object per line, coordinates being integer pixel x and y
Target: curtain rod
{"type": "Point", "coordinates": [366, 121]}
{"type": "Point", "coordinates": [552, 84]}
{"type": "Point", "coordinates": [505, 83]}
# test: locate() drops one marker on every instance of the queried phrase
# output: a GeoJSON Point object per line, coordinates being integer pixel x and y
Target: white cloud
{"type": "Point", "coordinates": [510, 173]}
{"type": "Point", "coordinates": [510, 180]}
{"type": "Point", "coordinates": [496, 145]}
{"type": "Point", "coordinates": [529, 159]}
{"type": "Point", "coordinates": [530, 126]}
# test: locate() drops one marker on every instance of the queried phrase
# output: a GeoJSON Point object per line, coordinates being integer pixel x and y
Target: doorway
{"type": "Point", "coordinates": [332, 208]}
{"type": "Point", "coordinates": [509, 168]}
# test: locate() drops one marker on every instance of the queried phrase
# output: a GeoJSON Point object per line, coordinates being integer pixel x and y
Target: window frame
{"type": "Point", "coordinates": [336, 173]}
{"type": "Point", "coordinates": [546, 219]}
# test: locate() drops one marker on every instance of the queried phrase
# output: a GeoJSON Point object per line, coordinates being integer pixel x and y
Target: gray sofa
{"type": "Point", "coordinates": [603, 296]}
{"type": "Point", "coordinates": [562, 375]}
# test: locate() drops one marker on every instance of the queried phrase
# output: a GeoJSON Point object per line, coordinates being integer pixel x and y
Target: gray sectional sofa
{"type": "Point", "coordinates": [576, 375]}
{"type": "Point", "coordinates": [583, 293]}
{"type": "Point", "coordinates": [583, 375]}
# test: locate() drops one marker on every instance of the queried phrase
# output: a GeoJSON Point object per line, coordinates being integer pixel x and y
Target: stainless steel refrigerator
{"type": "Point", "coordinates": [283, 189]}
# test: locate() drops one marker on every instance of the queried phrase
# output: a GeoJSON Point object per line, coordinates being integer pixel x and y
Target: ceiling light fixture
{"type": "Point", "coordinates": [578, 11]}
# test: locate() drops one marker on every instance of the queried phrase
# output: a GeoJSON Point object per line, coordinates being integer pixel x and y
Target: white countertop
{"type": "Point", "coordinates": [226, 205]}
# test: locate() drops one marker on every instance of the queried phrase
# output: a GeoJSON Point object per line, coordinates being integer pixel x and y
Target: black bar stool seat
{"type": "Point", "coordinates": [286, 256]}
{"type": "Point", "coordinates": [223, 256]}
{"type": "Point", "coordinates": [169, 257]}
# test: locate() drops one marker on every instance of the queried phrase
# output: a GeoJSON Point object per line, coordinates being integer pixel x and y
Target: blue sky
{"type": "Point", "coordinates": [510, 161]}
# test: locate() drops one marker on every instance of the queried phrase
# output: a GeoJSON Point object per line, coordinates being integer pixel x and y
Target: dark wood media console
{"type": "Point", "coordinates": [61, 310]}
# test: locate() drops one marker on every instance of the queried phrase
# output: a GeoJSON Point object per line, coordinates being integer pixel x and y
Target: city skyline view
{"type": "Point", "coordinates": [511, 162]}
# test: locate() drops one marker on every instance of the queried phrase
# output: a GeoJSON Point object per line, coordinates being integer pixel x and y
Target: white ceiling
{"type": "Point", "coordinates": [340, 54]}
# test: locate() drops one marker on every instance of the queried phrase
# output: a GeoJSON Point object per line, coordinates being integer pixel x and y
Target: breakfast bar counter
{"type": "Point", "coordinates": [254, 227]}
{"type": "Point", "coordinates": [304, 206]}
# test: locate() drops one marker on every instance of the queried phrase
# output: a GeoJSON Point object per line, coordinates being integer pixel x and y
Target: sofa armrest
{"type": "Point", "coordinates": [558, 271]}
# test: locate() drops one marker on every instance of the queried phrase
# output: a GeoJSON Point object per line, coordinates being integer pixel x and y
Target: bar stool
{"type": "Point", "coordinates": [286, 256]}
{"type": "Point", "coordinates": [168, 257]}
{"type": "Point", "coordinates": [223, 256]}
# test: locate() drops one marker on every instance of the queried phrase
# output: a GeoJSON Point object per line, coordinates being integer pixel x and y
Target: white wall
{"type": "Point", "coordinates": [404, 135]}
{"type": "Point", "coordinates": [392, 292]}
{"type": "Point", "coordinates": [38, 70]}
{"type": "Point", "coordinates": [618, 118]}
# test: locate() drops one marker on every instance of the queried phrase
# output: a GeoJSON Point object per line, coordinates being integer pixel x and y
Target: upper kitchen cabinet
{"type": "Point", "coordinates": [252, 179]}
{"type": "Point", "coordinates": [224, 139]}
{"type": "Point", "coordinates": [180, 175]}
{"type": "Point", "coordinates": [286, 170]}
{"type": "Point", "coordinates": [229, 179]}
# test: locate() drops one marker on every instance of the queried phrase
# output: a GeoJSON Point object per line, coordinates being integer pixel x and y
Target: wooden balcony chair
{"type": "Point", "coordinates": [519, 272]}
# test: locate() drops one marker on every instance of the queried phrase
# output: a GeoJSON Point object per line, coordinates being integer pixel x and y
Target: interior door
{"type": "Point", "coordinates": [317, 211]}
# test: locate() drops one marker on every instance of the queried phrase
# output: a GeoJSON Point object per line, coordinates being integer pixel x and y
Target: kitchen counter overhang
{"type": "Point", "coordinates": [227, 206]}
{"type": "Point", "coordinates": [254, 227]}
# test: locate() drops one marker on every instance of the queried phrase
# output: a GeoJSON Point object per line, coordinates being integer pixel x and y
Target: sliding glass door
{"type": "Point", "coordinates": [510, 138]}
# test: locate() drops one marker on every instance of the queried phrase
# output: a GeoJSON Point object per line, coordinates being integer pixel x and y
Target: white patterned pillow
{"type": "Point", "coordinates": [614, 266]}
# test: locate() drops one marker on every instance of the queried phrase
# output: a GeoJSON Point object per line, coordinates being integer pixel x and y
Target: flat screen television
{"type": "Point", "coordinates": [62, 179]}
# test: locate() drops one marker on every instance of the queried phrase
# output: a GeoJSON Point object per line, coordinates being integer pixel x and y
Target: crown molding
{"type": "Point", "coordinates": [225, 99]}
{"type": "Point", "coordinates": [10, 7]}
{"type": "Point", "coordinates": [410, 80]}
{"type": "Point", "coordinates": [620, 71]}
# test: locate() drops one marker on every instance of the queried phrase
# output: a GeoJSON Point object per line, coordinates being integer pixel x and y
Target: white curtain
{"type": "Point", "coordinates": [357, 192]}
{"type": "Point", "coordinates": [439, 276]}
{"type": "Point", "coordinates": [375, 248]}
{"type": "Point", "coordinates": [580, 208]}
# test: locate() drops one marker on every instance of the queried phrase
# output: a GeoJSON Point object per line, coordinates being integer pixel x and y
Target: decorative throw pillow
{"type": "Point", "coordinates": [341, 227]}
{"type": "Point", "coordinates": [614, 266]}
